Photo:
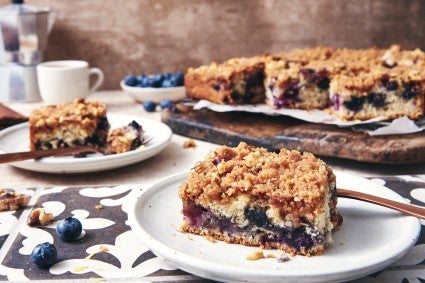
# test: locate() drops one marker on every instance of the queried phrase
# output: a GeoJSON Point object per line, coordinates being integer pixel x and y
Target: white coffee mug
{"type": "Point", "coordinates": [63, 81]}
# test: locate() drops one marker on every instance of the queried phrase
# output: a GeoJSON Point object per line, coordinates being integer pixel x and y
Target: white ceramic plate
{"type": "Point", "coordinates": [370, 238]}
{"type": "Point", "coordinates": [142, 94]}
{"type": "Point", "coordinates": [16, 138]}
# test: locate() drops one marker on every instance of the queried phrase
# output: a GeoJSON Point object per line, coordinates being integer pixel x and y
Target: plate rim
{"type": "Point", "coordinates": [185, 261]}
{"type": "Point", "coordinates": [93, 163]}
{"type": "Point", "coordinates": [155, 94]}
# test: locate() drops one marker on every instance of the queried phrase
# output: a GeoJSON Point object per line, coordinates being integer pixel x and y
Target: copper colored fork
{"type": "Point", "coordinates": [408, 209]}
{"type": "Point", "coordinates": [24, 155]}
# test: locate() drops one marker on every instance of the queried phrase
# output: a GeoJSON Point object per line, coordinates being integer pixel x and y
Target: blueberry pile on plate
{"type": "Point", "coordinates": [160, 80]}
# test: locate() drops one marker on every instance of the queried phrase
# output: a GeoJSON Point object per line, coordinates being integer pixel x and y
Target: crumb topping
{"type": "Point", "coordinates": [285, 177]}
{"type": "Point", "coordinates": [190, 143]}
{"type": "Point", "coordinates": [79, 111]}
{"type": "Point", "coordinates": [227, 69]}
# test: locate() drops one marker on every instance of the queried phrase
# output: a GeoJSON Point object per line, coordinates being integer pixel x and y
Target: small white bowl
{"type": "Point", "coordinates": [143, 94]}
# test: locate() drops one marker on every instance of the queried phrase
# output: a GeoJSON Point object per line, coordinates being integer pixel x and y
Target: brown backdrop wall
{"type": "Point", "coordinates": [134, 36]}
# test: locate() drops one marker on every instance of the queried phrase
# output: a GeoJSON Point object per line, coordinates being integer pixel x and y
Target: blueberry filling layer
{"type": "Point", "coordinates": [258, 227]}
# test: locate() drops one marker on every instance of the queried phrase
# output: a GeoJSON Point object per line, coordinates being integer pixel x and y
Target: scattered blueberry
{"type": "Point", "coordinates": [149, 106]}
{"type": "Point", "coordinates": [44, 255]}
{"type": "Point", "coordinates": [131, 80]}
{"type": "Point", "coordinates": [165, 103]}
{"type": "Point", "coordinates": [69, 229]}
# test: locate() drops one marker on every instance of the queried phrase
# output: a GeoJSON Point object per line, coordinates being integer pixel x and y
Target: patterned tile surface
{"type": "Point", "coordinates": [109, 248]}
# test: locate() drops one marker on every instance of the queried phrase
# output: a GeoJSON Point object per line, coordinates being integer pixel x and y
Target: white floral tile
{"type": "Point", "coordinates": [110, 249]}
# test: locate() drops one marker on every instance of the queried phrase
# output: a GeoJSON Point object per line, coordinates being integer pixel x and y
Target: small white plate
{"type": "Point", "coordinates": [143, 94]}
{"type": "Point", "coordinates": [16, 138]}
{"type": "Point", "coordinates": [370, 238]}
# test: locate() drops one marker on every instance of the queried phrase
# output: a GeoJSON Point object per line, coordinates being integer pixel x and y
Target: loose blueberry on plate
{"type": "Point", "coordinates": [69, 229]}
{"type": "Point", "coordinates": [131, 80]}
{"type": "Point", "coordinates": [44, 255]}
{"type": "Point", "coordinates": [149, 106]}
{"type": "Point", "coordinates": [165, 103]}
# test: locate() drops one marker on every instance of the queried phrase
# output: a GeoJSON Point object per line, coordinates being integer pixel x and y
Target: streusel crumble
{"type": "Point", "coordinates": [247, 195]}
{"type": "Point", "coordinates": [69, 124]}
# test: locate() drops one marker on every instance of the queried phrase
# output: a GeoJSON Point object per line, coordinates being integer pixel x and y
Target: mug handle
{"type": "Point", "coordinates": [98, 72]}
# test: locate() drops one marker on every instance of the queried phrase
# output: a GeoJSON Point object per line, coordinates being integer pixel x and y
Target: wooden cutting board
{"type": "Point", "coordinates": [275, 132]}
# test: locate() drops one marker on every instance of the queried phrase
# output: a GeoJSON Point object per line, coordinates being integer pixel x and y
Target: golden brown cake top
{"type": "Point", "coordinates": [226, 69]}
{"type": "Point", "coordinates": [372, 79]}
{"type": "Point", "coordinates": [305, 55]}
{"type": "Point", "coordinates": [77, 111]}
{"type": "Point", "coordinates": [362, 56]}
{"type": "Point", "coordinates": [276, 178]}
{"type": "Point", "coordinates": [396, 56]}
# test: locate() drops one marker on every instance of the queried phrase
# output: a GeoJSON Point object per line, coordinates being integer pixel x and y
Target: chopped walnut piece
{"type": "Point", "coordinates": [38, 217]}
{"type": "Point", "coordinates": [103, 249]}
{"type": "Point", "coordinates": [255, 255]}
{"type": "Point", "coordinates": [189, 143]}
{"type": "Point", "coordinates": [10, 200]}
{"type": "Point", "coordinates": [98, 206]}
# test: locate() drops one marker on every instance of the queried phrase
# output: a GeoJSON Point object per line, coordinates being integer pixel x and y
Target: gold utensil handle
{"type": "Point", "coordinates": [408, 209]}
{"type": "Point", "coordinates": [24, 155]}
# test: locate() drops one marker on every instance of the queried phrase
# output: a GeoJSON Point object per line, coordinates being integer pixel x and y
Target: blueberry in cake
{"type": "Point", "coordinates": [353, 84]}
{"type": "Point", "coordinates": [125, 138]}
{"type": "Point", "coordinates": [247, 195]}
{"type": "Point", "coordinates": [299, 86]}
{"type": "Point", "coordinates": [389, 93]}
{"type": "Point", "coordinates": [69, 124]}
{"type": "Point", "coordinates": [236, 81]}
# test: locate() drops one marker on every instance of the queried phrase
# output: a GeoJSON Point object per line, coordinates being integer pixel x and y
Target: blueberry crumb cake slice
{"type": "Point", "coordinates": [235, 81]}
{"type": "Point", "coordinates": [69, 124]}
{"type": "Point", "coordinates": [247, 195]}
